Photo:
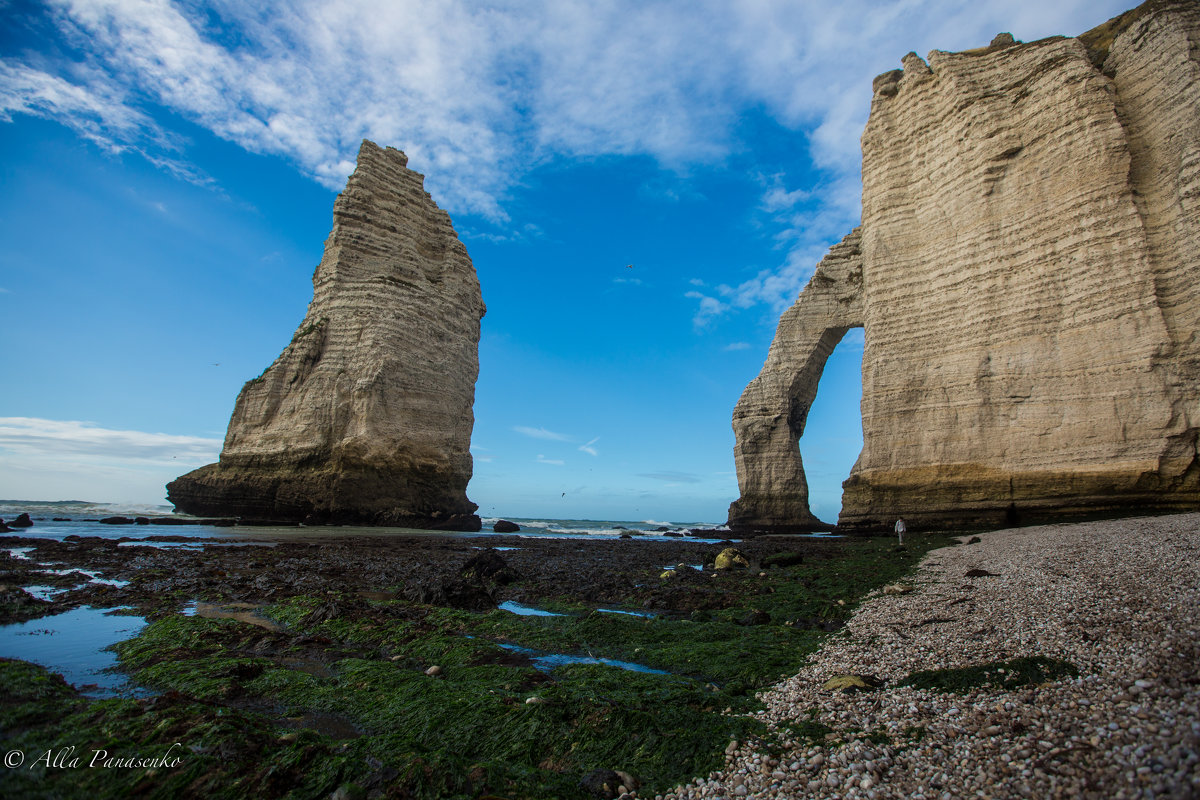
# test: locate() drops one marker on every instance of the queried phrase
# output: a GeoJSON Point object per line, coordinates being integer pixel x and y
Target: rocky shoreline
{"type": "Point", "coordinates": [1073, 647]}
{"type": "Point", "coordinates": [1119, 600]}
{"type": "Point", "coordinates": [424, 665]}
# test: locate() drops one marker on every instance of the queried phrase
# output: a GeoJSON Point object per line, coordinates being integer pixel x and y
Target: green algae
{"type": "Point", "coordinates": [487, 724]}
{"type": "Point", "coordinates": [1012, 674]}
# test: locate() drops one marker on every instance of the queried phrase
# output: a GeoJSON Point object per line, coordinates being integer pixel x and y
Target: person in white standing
{"type": "Point", "coordinates": [901, 528]}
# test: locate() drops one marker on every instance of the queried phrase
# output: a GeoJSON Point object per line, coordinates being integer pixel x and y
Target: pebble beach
{"type": "Point", "coordinates": [1118, 599]}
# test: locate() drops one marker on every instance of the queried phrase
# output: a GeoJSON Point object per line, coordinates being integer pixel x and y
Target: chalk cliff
{"type": "Point", "coordinates": [1027, 274]}
{"type": "Point", "coordinates": [366, 416]}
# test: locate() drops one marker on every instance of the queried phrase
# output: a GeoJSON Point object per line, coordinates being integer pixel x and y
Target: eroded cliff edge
{"type": "Point", "coordinates": [366, 416]}
{"type": "Point", "coordinates": [1029, 262]}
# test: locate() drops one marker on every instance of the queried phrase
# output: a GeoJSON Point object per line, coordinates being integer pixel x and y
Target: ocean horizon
{"type": "Point", "coordinates": [81, 517]}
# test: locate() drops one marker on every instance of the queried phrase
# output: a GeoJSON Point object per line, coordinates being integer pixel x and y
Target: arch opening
{"type": "Point", "coordinates": [832, 438]}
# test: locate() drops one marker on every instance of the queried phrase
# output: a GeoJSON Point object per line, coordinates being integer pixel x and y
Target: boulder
{"type": "Point", "coordinates": [730, 558]}
{"type": "Point", "coordinates": [466, 595]}
{"type": "Point", "coordinates": [504, 526]}
{"type": "Point", "coordinates": [488, 565]}
{"type": "Point", "coordinates": [601, 783]}
{"type": "Point", "coordinates": [788, 559]}
{"type": "Point", "coordinates": [22, 521]}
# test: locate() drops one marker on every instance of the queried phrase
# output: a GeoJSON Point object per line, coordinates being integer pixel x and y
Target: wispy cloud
{"type": "Point", "coordinates": [710, 308]}
{"type": "Point", "coordinates": [541, 459]}
{"type": "Point", "coordinates": [541, 433]}
{"type": "Point", "coordinates": [24, 436]}
{"type": "Point", "coordinates": [588, 448]}
{"type": "Point", "coordinates": [732, 346]}
{"type": "Point", "coordinates": [97, 108]}
{"type": "Point", "coordinates": [671, 477]}
{"type": "Point", "coordinates": [671, 80]}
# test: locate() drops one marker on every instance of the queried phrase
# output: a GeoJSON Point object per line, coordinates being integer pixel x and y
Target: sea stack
{"type": "Point", "coordinates": [366, 416]}
{"type": "Point", "coordinates": [1027, 274]}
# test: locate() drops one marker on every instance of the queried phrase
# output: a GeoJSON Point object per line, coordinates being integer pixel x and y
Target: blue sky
{"type": "Point", "coordinates": [169, 169]}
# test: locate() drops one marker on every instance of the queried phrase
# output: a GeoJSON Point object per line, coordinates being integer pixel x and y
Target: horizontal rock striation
{"type": "Point", "coordinates": [366, 416]}
{"type": "Point", "coordinates": [769, 418]}
{"type": "Point", "coordinates": [1029, 289]}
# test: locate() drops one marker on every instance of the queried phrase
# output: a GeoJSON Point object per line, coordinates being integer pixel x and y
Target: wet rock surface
{"type": "Point", "coordinates": [394, 643]}
{"type": "Point", "coordinates": [439, 570]}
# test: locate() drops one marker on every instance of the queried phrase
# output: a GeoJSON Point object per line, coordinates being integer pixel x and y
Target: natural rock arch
{"type": "Point", "coordinates": [1027, 274]}
{"type": "Point", "coordinates": [770, 416]}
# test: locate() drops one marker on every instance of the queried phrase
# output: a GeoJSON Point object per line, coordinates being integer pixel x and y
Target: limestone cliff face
{"type": "Point", "coordinates": [366, 416]}
{"type": "Point", "coordinates": [769, 418]}
{"type": "Point", "coordinates": [1030, 289]}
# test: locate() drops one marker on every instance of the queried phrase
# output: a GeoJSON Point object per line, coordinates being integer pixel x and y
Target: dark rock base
{"type": "Point", "coordinates": [322, 495]}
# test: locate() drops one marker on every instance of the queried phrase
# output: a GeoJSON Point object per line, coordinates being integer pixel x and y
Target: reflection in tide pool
{"type": "Point", "coordinates": [73, 644]}
{"type": "Point", "coordinates": [526, 611]}
{"type": "Point", "coordinates": [645, 614]}
{"type": "Point", "coordinates": [45, 593]}
{"type": "Point", "coordinates": [548, 661]}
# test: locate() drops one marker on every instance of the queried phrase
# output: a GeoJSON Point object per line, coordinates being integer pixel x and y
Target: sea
{"type": "Point", "coordinates": [61, 518]}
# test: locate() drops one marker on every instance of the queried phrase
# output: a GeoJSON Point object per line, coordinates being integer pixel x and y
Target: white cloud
{"type": "Point", "coordinates": [541, 433]}
{"type": "Point", "coordinates": [26, 436]}
{"type": "Point", "coordinates": [53, 459]}
{"type": "Point", "coordinates": [541, 459]}
{"type": "Point", "coordinates": [778, 198]}
{"type": "Point", "coordinates": [96, 109]}
{"type": "Point", "coordinates": [476, 93]}
{"type": "Point", "coordinates": [588, 448]}
{"type": "Point", "coordinates": [710, 308]}
{"type": "Point", "coordinates": [732, 346]}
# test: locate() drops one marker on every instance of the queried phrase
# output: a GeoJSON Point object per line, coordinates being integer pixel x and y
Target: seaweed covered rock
{"type": "Point", "coordinates": [488, 565]}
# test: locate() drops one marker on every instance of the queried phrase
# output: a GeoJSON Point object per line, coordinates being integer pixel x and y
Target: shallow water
{"type": "Point", "coordinates": [242, 612]}
{"type": "Point", "coordinates": [73, 644]}
{"type": "Point", "coordinates": [93, 577]}
{"type": "Point", "coordinates": [527, 611]}
{"type": "Point", "coordinates": [46, 593]}
{"type": "Point", "coordinates": [549, 661]}
{"type": "Point", "coordinates": [645, 614]}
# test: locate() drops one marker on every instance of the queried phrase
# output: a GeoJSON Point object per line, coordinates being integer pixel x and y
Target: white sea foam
{"type": "Point", "coordinates": [79, 508]}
